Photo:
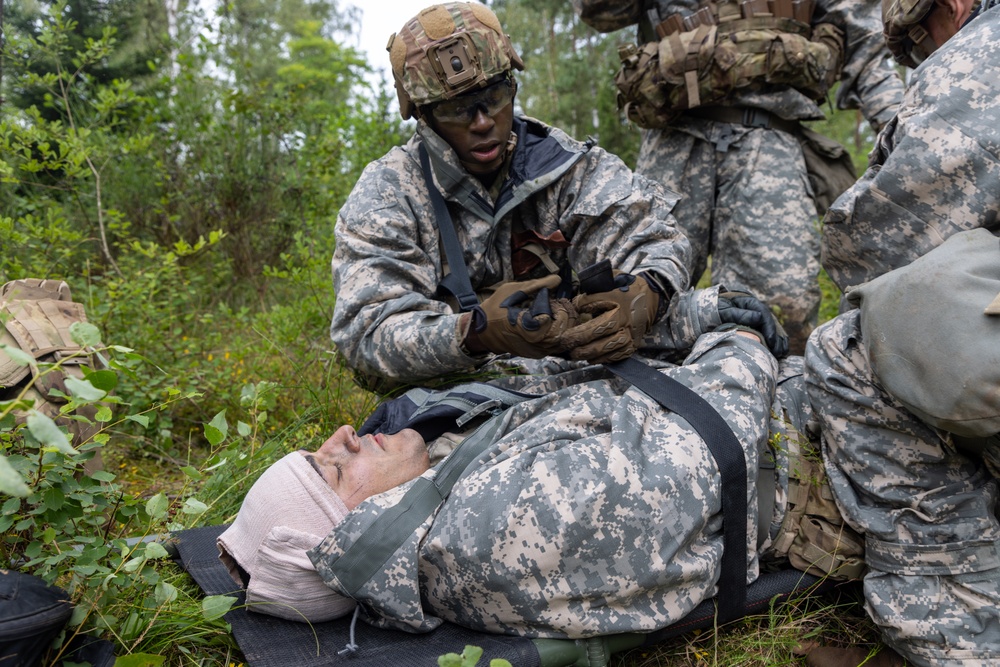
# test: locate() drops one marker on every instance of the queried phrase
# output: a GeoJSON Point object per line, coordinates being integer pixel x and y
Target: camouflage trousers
{"type": "Point", "coordinates": [927, 510]}
{"type": "Point", "coordinates": [748, 204]}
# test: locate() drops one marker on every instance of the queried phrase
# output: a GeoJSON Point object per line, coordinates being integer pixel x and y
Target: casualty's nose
{"type": "Point", "coordinates": [353, 442]}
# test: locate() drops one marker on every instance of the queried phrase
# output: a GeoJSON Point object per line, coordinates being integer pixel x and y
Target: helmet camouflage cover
{"type": "Point", "coordinates": [906, 39]}
{"type": "Point", "coordinates": [446, 50]}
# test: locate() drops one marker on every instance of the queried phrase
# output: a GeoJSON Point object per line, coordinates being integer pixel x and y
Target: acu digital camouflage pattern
{"type": "Point", "coordinates": [594, 511]}
{"type": "Point", "coordinates": [690, 314]}
{"type": "Point", "coordinates": [927, 510]}
{"type": "Point", "coordinates": [868, 80]}
{"type": "Point", "coordinates": [581, 203]}
{"type": "Point", "coordinates": [934, 170]}
{"type": "Point", "coordinates": [417, 68]}
{"type": "Point", "coordinates": [746, 194]}
{"type": "Point", "coordinates": [748, 207]}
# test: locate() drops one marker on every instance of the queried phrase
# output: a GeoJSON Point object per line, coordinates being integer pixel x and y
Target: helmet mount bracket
{"type": "Point", "coordinates": [456, 65]}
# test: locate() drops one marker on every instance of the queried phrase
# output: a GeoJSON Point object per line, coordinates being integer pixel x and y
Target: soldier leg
{"type": "Point", "coordinates": [686, 165]}
{"type": "Point", "coordinates": [766, 238]}
{"type": "Point", "coordinates": [927, 511]}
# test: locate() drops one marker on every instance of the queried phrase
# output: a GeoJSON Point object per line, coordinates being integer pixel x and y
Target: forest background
{"type": "Point", "coordinates": [181, 165]}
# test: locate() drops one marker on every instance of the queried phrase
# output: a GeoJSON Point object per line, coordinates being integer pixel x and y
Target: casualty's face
{"type": "Point", "coordinates": [358, 467]}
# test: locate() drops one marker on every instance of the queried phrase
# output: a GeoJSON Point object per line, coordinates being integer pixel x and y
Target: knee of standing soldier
{"type": "Point", "coordinates": [950, 621]}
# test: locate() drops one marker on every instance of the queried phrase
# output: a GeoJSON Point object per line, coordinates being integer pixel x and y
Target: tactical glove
{"type": "Point", "coordinates": [621, 317]}
{"type": "Point", "coordinates": [522, 319]}
{"type": "Point", "coordinates": [749, 311]}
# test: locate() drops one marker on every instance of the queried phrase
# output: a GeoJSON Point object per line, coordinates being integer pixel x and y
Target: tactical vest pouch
{"type": "Point", "coordinates": [607, 15]}
{"type": "Point", "coordinates": [810, 64]}
{"type": "Point", "coordinates": [37, 315]}
{"type": "Point", "coordinates": [829, 165]}
{"type": "Point", "coordinates": [685, 70]}
{"type": "Point", "coordinates": [813, 535]}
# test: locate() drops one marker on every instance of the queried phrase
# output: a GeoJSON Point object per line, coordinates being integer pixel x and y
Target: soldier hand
{"type": "Point", "coordinates": [522, 319]}
{"type": "Point", "coordinates": [621, 317]}
{"type": "Point", "coordinates": [747, 310]}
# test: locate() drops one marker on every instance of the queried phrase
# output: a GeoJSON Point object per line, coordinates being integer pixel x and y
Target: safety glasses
{"type": "Point", "coordinates": [462, 109]}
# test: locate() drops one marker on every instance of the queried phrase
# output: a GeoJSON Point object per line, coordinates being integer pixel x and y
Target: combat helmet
{"type": "Point", "coordinates": [906, 39]}
{"type": "Point", "coordinates": [447, 50]}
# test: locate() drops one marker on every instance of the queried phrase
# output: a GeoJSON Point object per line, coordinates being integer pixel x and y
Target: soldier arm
{"type": "Point", "coordinates": [691, 314]}
{"type": "Point", "coordinates": [936, 173]}
{"type": "Point", "coordinates": [386, 321]}
{"type": "Point", "coordinates": [869, 80]}
{"type": "Point", "coordinates": [625, 218]}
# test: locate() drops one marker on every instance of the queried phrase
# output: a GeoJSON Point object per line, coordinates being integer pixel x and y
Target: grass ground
{"type": "Point", "coordinates": [779, 637]}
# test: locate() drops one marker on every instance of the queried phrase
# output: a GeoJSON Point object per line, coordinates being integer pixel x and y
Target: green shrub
{"type": "Point", "coordinates": [69, 524]}
{"type": "Point", "coordinates": [82, 530]}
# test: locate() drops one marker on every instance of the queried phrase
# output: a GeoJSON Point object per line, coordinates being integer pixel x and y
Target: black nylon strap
{"type": "Point", "coordinates": [747, 116]}
{"type": "Point", "coordinates": [729, 457]}
{"type": "Point", "coordinates": [457, 282]}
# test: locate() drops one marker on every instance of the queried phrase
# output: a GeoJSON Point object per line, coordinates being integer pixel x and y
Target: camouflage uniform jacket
{"type": "Point", "coordinates": [935, 168]}
{"type": "Point", "coordinates": [868, 80]}
{"type": "Point", "coordinates": [580, 202]}
{"type": "Point", "coordinates": [594, 511]}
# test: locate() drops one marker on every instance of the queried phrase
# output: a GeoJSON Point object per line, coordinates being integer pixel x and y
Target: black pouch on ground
{"type": "Point", "coordinates": [32, 613]}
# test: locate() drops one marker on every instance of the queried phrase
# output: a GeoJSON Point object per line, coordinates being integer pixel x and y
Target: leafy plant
{"type": "Point", "coordinates": [63, 147]}
{"type": "Point", "coordinates": [470, 656]}
{"type": "Point", "coordinates": [81, 530]}
{"type": "Point", "coordinates": [65, 523]}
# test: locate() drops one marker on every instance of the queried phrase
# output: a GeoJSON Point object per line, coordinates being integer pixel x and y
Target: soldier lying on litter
{"type": "Point", "coordinates": [589, 510]}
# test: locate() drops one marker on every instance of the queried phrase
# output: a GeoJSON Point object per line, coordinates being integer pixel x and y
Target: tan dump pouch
{"type": "Point", "coordinates": [829, 166]}
{"type": "Point", "coordinates": [813, 535]}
